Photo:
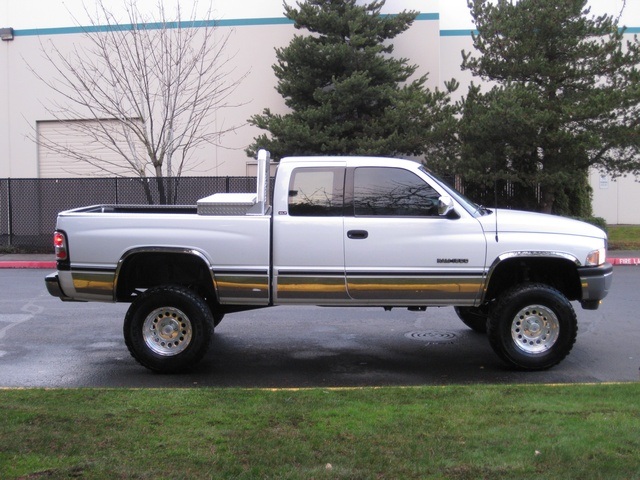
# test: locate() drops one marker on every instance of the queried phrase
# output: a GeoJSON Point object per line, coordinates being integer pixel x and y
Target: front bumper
{"type": "Point", "coordinates": [595, 283]}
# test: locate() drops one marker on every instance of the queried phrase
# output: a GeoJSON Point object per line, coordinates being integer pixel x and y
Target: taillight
{"type": "Point", "coordinates": [60, 244]}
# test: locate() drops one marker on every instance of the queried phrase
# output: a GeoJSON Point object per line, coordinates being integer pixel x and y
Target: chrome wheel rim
{"type": "Point", "coordinates": [535, 329]}
{"type": "Point", "coordinates": [167, 331]}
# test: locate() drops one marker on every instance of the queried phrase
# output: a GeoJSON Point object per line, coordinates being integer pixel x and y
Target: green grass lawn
{"type": "Point", "coordinates": [624, 237]}
{"type": "Point", "coordinates": [453, 432]}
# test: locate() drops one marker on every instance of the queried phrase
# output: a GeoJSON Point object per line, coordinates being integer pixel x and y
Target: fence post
{"type": "Point", "coordinates": [9, 214]}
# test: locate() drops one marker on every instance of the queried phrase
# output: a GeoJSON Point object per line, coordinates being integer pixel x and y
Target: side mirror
{"type": "Point", "coordinates": [445, 205]}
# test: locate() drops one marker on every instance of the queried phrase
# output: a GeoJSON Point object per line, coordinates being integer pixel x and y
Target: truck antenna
{"type": "Point", "coordinates": [495, 200]}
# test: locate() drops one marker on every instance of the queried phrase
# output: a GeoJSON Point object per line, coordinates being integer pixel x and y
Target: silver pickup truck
{"type": "Point", "coordinates": [339, 231]}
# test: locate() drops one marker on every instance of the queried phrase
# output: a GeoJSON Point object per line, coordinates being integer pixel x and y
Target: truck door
{"type": "Point", "coordinates": [308, 242]}
{"type": "Point", "coordinates": [400, 251]}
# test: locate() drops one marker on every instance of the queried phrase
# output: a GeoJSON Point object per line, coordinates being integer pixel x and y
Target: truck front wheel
{"type": "Point", "coordinates": [167, 329]}
{"type": "Point", "coordinates": [532, 327]}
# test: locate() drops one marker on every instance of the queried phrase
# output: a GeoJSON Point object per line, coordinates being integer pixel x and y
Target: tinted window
{"type": "Point", "coordinates": [316, 192]}
{"type": "Point", "coordinates": [393, 191]}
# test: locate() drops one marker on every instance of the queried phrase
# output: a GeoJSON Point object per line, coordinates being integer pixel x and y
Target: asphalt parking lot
{"type": "Point", "coordinates": [48, 343]}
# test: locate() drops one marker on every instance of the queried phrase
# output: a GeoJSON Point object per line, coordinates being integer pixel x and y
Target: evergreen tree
{"type": "Point", "coordinates": [346, 93]}
{"type": "Point", "coordinates": [566, 98]}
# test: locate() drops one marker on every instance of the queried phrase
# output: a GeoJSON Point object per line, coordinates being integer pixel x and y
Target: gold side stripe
{"type": "Point", "coordinates": [94, 283]}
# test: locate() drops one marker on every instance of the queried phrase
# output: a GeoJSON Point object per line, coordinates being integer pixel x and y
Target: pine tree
{"type": "Point", "coordinates": [346, 93]}
{"type": "Point", "coordinates": [566, 99]}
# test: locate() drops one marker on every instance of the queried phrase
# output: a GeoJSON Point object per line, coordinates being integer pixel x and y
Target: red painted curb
{"type": "Point", "coordinates": [624, 261]}
{"type": "Point", "coordinates": [28, 264]}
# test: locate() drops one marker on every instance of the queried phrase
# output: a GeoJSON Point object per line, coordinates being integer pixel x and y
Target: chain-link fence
{"type": "Point", "coordinates": [28, 207]}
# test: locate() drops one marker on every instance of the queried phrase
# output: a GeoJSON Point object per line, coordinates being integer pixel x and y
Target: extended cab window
{"type": "Point", "coordinates": [393, 192]}
{"type": "Point", "coordinates": [316, 192]}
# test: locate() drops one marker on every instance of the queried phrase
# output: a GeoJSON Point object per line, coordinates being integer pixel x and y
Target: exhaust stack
{"type": "Point", "coordinates": [264, 171]}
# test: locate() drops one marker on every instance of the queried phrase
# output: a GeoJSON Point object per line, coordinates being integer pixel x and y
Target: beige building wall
{"type": "Point", "coordinates": [437, 52]}
{"type": "Point", "coordinates": [617, 200]}
{"type": "Point", "coordinates": [26, 97]}
{"type": "Point", "coordinates": [251, 49]}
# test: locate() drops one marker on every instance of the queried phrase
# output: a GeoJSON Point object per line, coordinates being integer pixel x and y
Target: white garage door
{"type": "Point", "coordinates": [69, 149]}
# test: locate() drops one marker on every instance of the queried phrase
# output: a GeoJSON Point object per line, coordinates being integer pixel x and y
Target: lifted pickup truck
{"type": "Point", "coordinates": [341, 231]}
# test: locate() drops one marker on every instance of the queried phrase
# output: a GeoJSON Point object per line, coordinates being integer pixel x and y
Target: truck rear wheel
{"type": "Point", "coordinates": [532, 327]}
{"type": "Point", "coordinates": [168, 329]}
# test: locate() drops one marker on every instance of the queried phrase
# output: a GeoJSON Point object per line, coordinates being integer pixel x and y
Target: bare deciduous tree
{"type": "Point", "coordinates": [150, 87]}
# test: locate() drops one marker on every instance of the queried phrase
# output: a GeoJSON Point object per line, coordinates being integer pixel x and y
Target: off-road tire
{"type": "Point", "coordinates": [532, 327]}
{"type": "Point", "coordinates": [168, 328]}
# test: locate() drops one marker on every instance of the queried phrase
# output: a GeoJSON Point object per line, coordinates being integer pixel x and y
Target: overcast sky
{"type": "Point", "coordinates": [454, 14]}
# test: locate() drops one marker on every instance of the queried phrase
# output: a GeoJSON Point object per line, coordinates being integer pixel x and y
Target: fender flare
{"type": "Point", "coordinates": [163, 250]}
{"type": "Point", "coordinates": [524, 254]}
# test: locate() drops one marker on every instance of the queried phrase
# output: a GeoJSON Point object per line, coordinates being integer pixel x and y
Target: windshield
{"type": "Point", "coordinates": [471, 207]}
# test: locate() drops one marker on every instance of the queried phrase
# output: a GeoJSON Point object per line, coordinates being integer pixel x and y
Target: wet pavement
{"type": "Point", "coordinates": [48, 343]}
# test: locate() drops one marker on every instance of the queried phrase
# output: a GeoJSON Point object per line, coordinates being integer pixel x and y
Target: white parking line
{"type": "Point", "coordinates": [13, 319]}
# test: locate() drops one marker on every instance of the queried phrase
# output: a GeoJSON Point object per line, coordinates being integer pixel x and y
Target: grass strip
{"type": "Point", "coordinates": [456, 432]}
{"type": "Point", "coordinates": [624, 237]}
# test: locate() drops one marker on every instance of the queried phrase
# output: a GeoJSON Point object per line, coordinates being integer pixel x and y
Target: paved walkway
{"type": "Point", "coordinates": [48, 261]}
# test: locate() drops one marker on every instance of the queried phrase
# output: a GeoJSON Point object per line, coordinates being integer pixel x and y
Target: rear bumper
{"type": "Point", "coordinates": [595, 283]}
{"type": "Point", "coordinates": [53, 287]}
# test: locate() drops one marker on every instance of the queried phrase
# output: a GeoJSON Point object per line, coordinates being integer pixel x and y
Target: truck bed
{"type": "Point", "coordinates": [106, 208]}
